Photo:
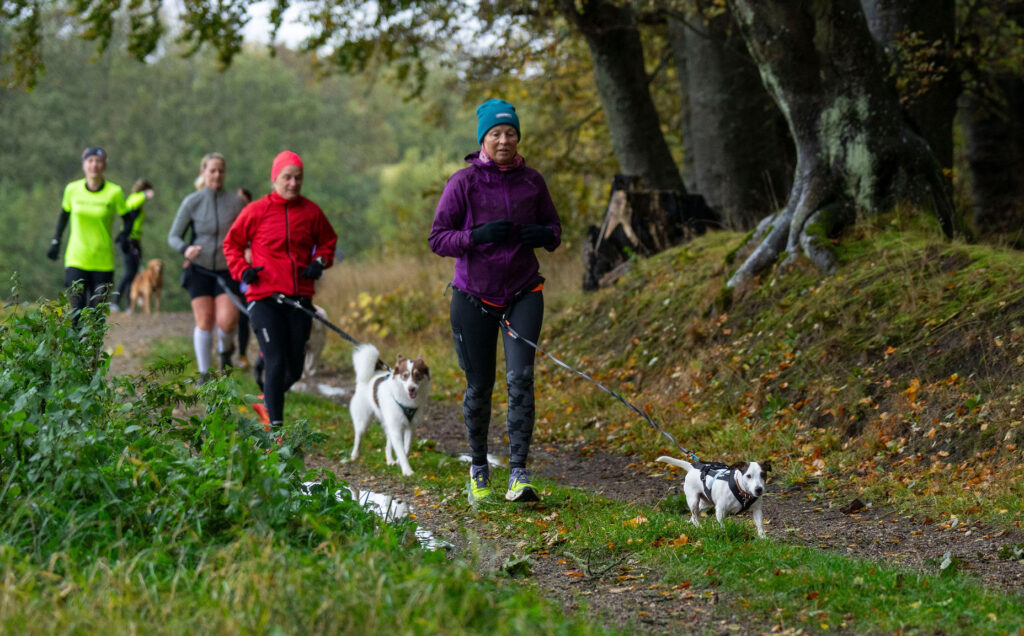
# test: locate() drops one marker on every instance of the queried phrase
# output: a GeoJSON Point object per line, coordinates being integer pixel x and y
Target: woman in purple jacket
{"type": "Point", "coordinates": [492, 215]}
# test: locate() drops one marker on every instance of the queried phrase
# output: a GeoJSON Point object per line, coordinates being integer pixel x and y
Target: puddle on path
{"type": "Point", "coordinates": [322, 388]}
{"type": "Point", "coordinates": [390, 508]}
{"type": "Point", "coordinates": [493, 460]}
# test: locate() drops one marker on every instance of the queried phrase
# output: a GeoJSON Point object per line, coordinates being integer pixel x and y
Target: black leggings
{"type": "Point", "coordinates": [281, 331]}
{"type": "Point", "coordinates": [132, 258]}
{"type": "Point", "coordinates": [95, 288]}
{"type": "Point", "coordinates": [475, 332]}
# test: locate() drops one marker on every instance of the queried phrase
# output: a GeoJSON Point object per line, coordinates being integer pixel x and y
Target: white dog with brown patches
{"type": "Point", "coordinates": [730, 490]}
{"type": "Point", "coordinates": [395, 399]}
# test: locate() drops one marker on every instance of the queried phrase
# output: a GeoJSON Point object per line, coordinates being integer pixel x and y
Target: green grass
{"type": "Point", "coordinates": [151, 504]}
{"type": "Point", "coordinates": [772, 582]}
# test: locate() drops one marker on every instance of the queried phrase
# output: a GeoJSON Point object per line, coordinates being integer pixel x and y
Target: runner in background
{"type": "Point", "coordinates": [208, 214]}
{"type": "Point", "coordinates": [130, 241]}
{"type": "Point", "coordinates": [291, 243]}
{"type": "Point", "coordinates": [89, 206]}
{"type": "Point", "coordinates": [244, 330]}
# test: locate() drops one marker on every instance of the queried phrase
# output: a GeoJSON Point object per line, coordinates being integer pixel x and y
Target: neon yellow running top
{"type": "Point", "coordinates": [90, 239]}
{"type": "Point", "coordinates": [135, 201]}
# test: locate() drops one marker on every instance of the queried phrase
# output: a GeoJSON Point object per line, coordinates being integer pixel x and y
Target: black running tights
{"type": "Point", "coordinates": [475, 333]}
{"type": "Point", "coordinates": [281, 331]}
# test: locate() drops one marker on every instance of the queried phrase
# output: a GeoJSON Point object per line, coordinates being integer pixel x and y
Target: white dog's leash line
{"type": "Point", "coordinates": [220, 281]}
{"type": "Point", "coordinates": [512, 332]}
{"type": "Point", "coordinates": [281, 298]}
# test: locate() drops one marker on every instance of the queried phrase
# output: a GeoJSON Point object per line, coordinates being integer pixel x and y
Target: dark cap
{"type": "Point", "coordinates": [94, 151]}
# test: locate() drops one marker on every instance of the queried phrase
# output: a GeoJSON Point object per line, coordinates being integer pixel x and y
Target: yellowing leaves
{"type": "Point", "coordinates": [635, 521]}
{"type": "Point", "coordinates": [911, 391]}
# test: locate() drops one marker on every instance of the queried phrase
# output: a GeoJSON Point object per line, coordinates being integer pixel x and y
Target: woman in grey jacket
{"type": "Point", "coordinates": [208, 213]}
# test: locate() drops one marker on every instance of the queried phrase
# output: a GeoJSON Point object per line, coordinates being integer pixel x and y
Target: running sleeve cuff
{"type": "Point", "coordinates": [62, 222]}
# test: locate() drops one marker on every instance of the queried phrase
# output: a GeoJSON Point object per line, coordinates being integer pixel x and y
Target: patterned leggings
{"type": "Point", "coordinates": [475, 333]}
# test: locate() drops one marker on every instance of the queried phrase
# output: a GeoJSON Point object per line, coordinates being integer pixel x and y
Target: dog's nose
{"type": "Point", "coordinates": [759, 491]}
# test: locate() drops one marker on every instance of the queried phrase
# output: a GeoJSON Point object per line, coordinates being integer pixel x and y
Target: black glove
{"type": "Point", "coordinates": [493, 232]}
{"type": "Point", "coordinates": [54, 252]}
{"type": "Point", "coordinates": [536, 235]}
{"type": "Point", "coordinates": [315, 269]}
{"type": "Point", "coordinates": [122, 241]}
{"type": "Point", "coordinates": [251, 275]}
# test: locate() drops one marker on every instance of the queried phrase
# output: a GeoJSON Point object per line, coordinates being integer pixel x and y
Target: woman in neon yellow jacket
{"type": "Point", "coordinates": [89, 206]}
{"type": "Point", "coordinates": [130, 240]}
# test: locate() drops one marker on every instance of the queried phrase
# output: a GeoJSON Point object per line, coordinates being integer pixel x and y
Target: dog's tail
{"type": "Point", "coordinates": [364, 360]}
{"type": "Point", "coordinates": [676, 462]}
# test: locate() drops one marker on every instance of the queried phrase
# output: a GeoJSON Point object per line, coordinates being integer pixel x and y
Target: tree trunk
{"type": "Point", "coordinates": [931, 104]}
{"type": "Point", "coordinates": [612, 34]}
{"type": "Point", "coordinates": [639, 221]}
{"type": "Point", "coordinates": [738, 152]}
{"type": "Point", "coordinates": [994, 132]}
{"type": "Point", "coordinates": [855, 154]}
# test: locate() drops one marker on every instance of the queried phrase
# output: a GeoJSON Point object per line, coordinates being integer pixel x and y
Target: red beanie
{"type": "Point", "coordinates": [285, 158]}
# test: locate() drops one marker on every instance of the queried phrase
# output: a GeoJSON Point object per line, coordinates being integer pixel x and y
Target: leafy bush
{"type": "Point", "coordinates": [95, 468]}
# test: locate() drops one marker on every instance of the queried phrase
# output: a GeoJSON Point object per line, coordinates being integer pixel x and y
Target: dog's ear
{"type": "Point", "coordinates": [740, 467]}
{"type": "Point", "coordinates": [766, 466]}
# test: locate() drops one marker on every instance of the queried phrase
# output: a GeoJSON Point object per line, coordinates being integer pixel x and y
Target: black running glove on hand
{"type": "Point", "coordinates": [314, 271]}
{"type": "Point", "coordinates": [536, 235]}
{"type": "Point", "coordinates": [54, 250]}
{"type": "Point", "coordinates": [122, 242]}
{"type": "Point", "coordinates": [493, 232]}
{"type": "Point", "coordinates": [251, 275]}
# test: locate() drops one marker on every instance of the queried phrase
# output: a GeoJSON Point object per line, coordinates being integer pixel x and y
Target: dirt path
{"type": "Point", "coordinates": [794, 515]}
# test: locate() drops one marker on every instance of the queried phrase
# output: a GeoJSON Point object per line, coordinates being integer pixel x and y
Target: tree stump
{"type": "Point", "coordinates": [639, 222]}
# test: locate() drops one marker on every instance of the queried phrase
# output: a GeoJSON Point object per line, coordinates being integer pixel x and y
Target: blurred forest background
{"type": "Point", "coordinates": [813, 115]}
{"type": "Point", "coordinates": [376, 157]}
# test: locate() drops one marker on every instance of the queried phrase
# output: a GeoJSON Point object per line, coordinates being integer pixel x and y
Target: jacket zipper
{"type": "Point", "coordinates": [288, 250]}
{"type": "Point", "coordinates": [216, 226]}
{"type": "Point", "coordinates": [508, 215]}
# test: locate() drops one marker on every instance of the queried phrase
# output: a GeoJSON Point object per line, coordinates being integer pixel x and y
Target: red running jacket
{"type": "Point", "coordinates": [285, 237]}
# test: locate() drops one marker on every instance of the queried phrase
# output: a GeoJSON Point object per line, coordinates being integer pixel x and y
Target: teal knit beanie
{"type": "Point", "coordinates": [492, 113]}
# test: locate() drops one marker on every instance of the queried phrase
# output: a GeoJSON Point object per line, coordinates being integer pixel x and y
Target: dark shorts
{"type": "Point", "coordinates": [199, 281]}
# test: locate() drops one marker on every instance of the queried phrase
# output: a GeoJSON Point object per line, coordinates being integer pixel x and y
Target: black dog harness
{"type": "Point", "coordinates": [729, 475]}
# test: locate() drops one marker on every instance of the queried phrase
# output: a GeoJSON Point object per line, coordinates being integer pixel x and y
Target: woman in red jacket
{"type": "Point", "coordinates": [292, 243]}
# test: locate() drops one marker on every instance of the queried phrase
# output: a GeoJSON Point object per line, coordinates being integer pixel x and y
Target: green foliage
{"type": "Point", "coordinates": [95, 468]}
{"type": "Point", "coordinates": [150, 504]}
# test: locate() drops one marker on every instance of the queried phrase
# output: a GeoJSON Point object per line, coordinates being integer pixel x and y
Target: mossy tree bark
{"type": "Point", "coordinates": [611, 31]}
{"type": "Point", "coordinates": [922, 32]}
{"type": "Point", "coordinates": [738, 152]}
{"type": "Point", "coordinates": [855, 154]}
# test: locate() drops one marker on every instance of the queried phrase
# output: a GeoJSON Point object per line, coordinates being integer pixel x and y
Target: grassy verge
{"type": "Point", "coordinates": [776, 584]}
{"type": "Point", "coordinates": [151, 504]}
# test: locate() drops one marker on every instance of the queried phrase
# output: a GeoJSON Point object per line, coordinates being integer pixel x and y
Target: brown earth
{"type": "Point", "coordinates": [623, 595]}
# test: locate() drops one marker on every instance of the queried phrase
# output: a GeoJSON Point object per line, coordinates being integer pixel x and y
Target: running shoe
{"type": "Point", "coordinates": [519, 488]}
{"type": "Point", "coordinates": [479, 484]}
{"type": "Point", "coordinates": [261, 410]}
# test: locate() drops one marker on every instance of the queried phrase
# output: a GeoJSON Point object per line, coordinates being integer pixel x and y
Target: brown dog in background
{"type": "Point", "coordinates": [147, 286]}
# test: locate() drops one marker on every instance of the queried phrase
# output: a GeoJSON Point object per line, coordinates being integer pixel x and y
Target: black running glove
{"type": "Point", "coordinates": [251, 275]}
{"type": "Point", "coordinates": [122, 242]}
{"type": "Point", "coordinates": [536, 236]}
{"type": "Point", "coordinates": [54, 252]}
{"type": "Point", "coordinates": [315, 270]}
{"type": "Point", "coordinates": [493, 232]}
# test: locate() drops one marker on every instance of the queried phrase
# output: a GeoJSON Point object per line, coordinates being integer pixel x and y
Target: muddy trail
{"type": "Point", "coordinates": [625, 596]}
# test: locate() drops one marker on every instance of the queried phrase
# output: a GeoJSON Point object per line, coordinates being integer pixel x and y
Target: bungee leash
{"type": "Point", "coordinates": [507, 325]}
{"type": "Point", "coordinates": [291, 302]}
{"type": "Point", "coordinates": [223, 284]}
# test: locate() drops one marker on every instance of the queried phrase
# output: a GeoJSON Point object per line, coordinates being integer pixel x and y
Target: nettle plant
{"type": "Point", "coordinates": [94, 466]}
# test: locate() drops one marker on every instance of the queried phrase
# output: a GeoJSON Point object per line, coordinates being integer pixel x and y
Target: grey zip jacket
{"type": "Point", "coordinates": [210, 214]}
